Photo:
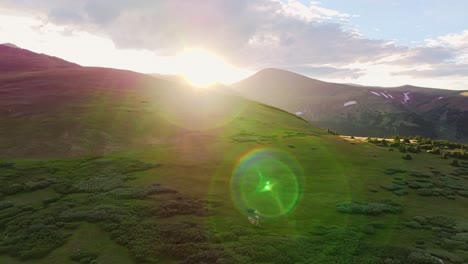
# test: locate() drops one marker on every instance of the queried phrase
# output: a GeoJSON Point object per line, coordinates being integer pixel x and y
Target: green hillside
{"type": "Point", "coordinates": [108, 166]}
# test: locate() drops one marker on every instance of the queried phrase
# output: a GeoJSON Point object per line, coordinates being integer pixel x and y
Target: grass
{"type": "Point", "coordinates": [335, 171]}
{"type": "Point", "coordinates": [89, 177]}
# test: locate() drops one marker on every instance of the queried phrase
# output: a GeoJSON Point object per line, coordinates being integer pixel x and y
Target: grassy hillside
{"type": "Point", "coordinates": [108, 166]}
{"type": "Point", "coordinates": [330, 200]}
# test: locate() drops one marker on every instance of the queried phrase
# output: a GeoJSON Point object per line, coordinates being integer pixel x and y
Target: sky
{"type": "Point", "coordinates": [367, 42]}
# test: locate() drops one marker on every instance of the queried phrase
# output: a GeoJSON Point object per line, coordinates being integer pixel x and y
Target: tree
{"type": "Point", "coordinates": [384, 142]}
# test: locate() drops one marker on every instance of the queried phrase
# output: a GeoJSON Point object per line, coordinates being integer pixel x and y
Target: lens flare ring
{"type": "Point", "coordinates": [268, 181]}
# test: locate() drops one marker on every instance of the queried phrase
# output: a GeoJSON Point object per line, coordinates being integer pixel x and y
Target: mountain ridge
{"type": "Point", "coordinates": [15, 59]}
{"type": "Point", "coordinates": [362, 110]}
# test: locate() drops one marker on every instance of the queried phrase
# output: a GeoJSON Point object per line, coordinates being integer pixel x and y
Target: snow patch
{"type": "Point", "coordinates": [375, 93]}
{"type": "Point", "coordinates": [299, 113]}
{"type": "Point", "coordinates": [440, 97]}
{"type": "Point", "coordinates": [407, 97]}
{"type": "Point", "coordinates": [384, 95]}
{"type": "Point", "coordinates": [350, 103]}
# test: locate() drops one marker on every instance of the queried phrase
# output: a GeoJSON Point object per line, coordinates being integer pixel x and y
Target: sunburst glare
{"type": "Point", "coordinates": [202, 68]}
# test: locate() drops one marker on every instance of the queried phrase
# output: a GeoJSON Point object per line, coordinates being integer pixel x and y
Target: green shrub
{"type": "Point", "coordinates": [413, 225]}
{"type": "Point", "coordinates": [434, 150]}
{"type": "Point", "coordinates": [392, 187]}
{"type": "Point", "coordinates": [368, 229]}
{"type": "Point", "coordinates": [392, 171]}
{"type": "Point", "coordinates": [419, 219]}
{"type": "Point", "coordinates": [441, 221]}
{"type": "Point", "coordinates": [84, 257]}
{"type": "Point", "coordinates": [182, 206]}
{"type": "Point", "coordinates": [426, 192]}
{"type": "Point", "coordinates": [402, 149]}
{"type": "Point", "coordinates": [421, 258]}
{"type": "Point", "coordinates": [5, 205]}
{"type": "Point", "coordinates": [140, 193]}
{"type": "Point", "coordinates": [12, 189]}
{"type": "Point", "coordinates": [37, 185]}
{"type": "Point", "coordinates": [367, 208]}
{"type": "Point", "coordinates": [100, 183]}
{"type": "Point", "coordinates": [401, 192]}
{"type": "Point", "coordinates": [407, 157]}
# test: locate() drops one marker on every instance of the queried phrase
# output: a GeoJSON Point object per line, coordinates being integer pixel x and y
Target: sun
{"type": "Point", "coordinates": [202, 68]}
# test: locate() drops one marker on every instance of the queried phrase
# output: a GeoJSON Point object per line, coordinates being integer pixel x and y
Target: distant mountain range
{"type": "Point", "coordinates": [360, 110]}
{"type": "Point", "coordinates": [347, 109]}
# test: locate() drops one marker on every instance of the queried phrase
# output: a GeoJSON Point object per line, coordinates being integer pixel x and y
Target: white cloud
{"type": "Point", "coordinates": [254, 34]}
{"type": "Point", "coordinates": [310, 13]}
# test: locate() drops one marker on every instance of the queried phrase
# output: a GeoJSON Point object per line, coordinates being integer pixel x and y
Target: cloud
{"type": "Point", "coordinates": [458, 43]}
{"type": "Point", "coordinates": [328, 72]}
{"type": "Point", "coordinates": [426, 55]}
{"type": "Point", "coordinates": [255, 33]}
{"type": "Point", "coordinates": [443, 56]}
{"type": "Point", "coordinates": [441, 70]}
{"type": "Point", "coordinates": [252, 34]}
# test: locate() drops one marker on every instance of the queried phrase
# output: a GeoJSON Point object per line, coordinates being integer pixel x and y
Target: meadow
{"type": "Point", "coordinates": [354, 202]}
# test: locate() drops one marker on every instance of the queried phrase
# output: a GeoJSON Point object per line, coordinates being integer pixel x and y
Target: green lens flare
{"type": "Point", "coordinates": [267, 180]}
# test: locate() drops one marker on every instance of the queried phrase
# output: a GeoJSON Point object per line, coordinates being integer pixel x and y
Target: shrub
{"type": "Point", "coordinates": [426, 192]}
{"type": "Point", "coordinates": [455, 163]}
{"type": "Point", "coordinates": [12, 189]}
{"type": "Point", "coordinates": [368, 229]}
{"type": "Point", "coordinates": [5, 205]}
{"type": "Point", "coordinates": [434, 150]}
{"type": "Point", "coordinates": [27, 238]}
{"type": "Point", "coordinates": [100, 183]}
{"type": "Point", "coordinates": [392, 171]}
{"type": "Point", "coordinates": [402, 149]}
{"type": "Point", "coordinates": [419, 219]}
{"type": "Point", "coordinates": [421, 258]}
{"type": "Point", "coordinates": [392, 187]}
{"type": "Point", "coordinates": [441, 221]}
{"type": "Point", "coordinates": [181, 206]}
{"type": "Point", "coordinates": [367, 208]}
{"type": "Point", "coordinates": [37, 185]}
{"type": "Point", "coordinates": [84, 257]}
{"type": "Point", "coordinates": [413, 225]}
{"type": "Point", "coordinates": [407, 157]}
{"type": "Point", "coordinates": [140, 193]}
{"type": "Point", "coordinates": [401, 192]}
